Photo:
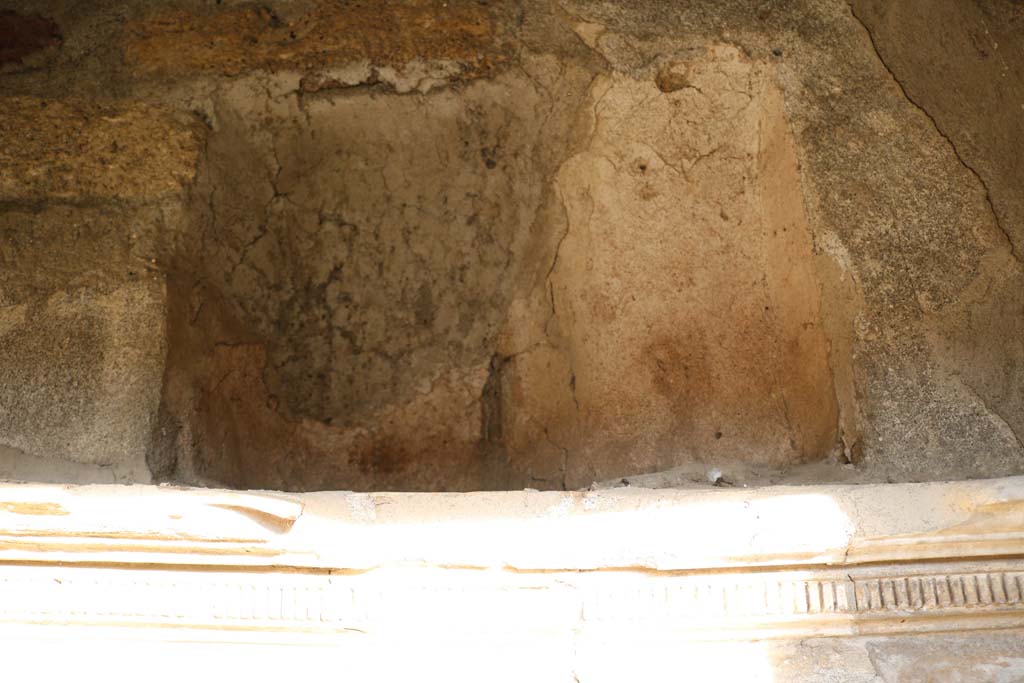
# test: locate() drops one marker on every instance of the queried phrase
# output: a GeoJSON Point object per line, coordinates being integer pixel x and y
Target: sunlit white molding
{"type": "Point", "coordinates": [322, 568]}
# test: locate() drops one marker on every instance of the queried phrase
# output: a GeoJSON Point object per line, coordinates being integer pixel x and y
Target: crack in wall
{"type": "Point", "coordinates": [995, 413]}
{"type": "Point", "coordinates": [952, 145]}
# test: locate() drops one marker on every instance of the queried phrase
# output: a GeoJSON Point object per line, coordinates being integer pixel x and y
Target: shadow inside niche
{"type": "Point", "coordinates": [434, 292]}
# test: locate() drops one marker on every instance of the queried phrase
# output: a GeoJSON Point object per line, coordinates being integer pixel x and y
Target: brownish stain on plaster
{"type": "Point", "coordinates": [218, 408]}
{"type": "Point", "coordinates": [243, 435]}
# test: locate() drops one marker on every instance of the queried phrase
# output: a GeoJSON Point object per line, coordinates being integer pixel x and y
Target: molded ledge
{"type": "Point", "coordinates": [320, 568]}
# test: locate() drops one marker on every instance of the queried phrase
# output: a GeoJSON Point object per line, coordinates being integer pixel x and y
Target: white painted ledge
{"type": "Point", "coordinates": [559, 571]}
{"type": "Point", "coordinates": [624, 528]}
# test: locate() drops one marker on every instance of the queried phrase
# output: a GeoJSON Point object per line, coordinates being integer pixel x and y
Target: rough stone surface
{"type": "Point", "coordinates": [245, 37]}
{"type": "Point", "coordinates": [63, 150]}
{"type": "Point", "coordinates": [453, 245]}
{"type": "Point", "coordinates": [82, 374]}
{"type": "Point", "coordinates": [967, 80]}
{"type": "Point", "coordinates": [89, 194]}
